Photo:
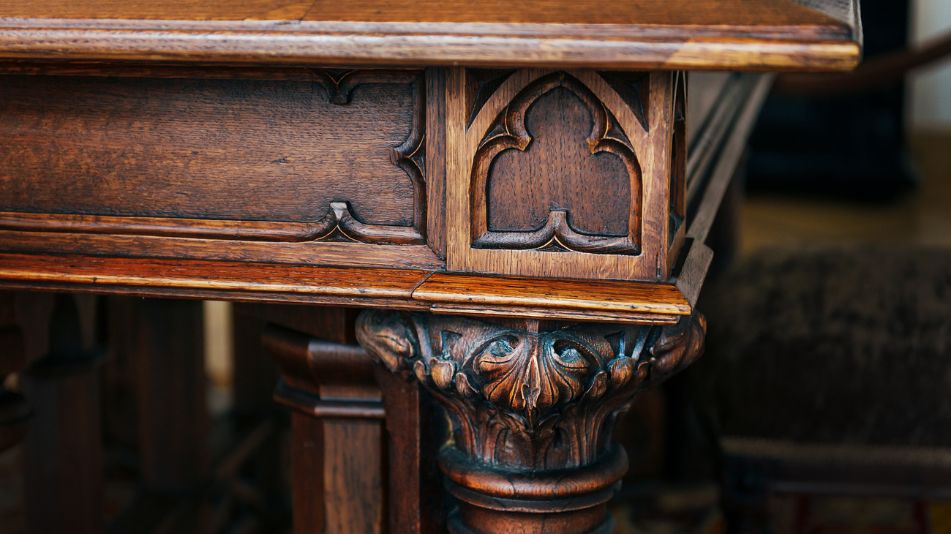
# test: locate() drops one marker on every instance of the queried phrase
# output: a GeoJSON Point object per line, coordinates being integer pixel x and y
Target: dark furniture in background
{"type": "Point", "coordinates": [849, 144]}
{"type": "Point", "coordinates": [827, 373]}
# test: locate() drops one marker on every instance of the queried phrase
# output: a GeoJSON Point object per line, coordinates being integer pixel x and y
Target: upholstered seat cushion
{"type": "Point", "coordinates": [833, 346]}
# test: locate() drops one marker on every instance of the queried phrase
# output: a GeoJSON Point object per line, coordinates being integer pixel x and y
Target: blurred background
{"type": "Point", "coordinates": [823, 403]}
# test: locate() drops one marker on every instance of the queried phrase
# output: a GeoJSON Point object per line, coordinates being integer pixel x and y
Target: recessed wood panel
{"type": "Point", "coordinates": [557, 171]}
{"type": "Point", "coordinates": [559, 174]}
{"type": "Point", "coordinates": [317, 157]}
{"type": "Point", "coordinates": [218, 149]}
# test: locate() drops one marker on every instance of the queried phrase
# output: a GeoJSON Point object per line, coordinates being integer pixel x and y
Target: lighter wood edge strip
{"type": "Point", "coordinates": [551, 300]}
{"type": "Point", "coordinates": [416, 292]}
{"type": "Point", "coordinates": [557, 314]}
{"type": "Point", "coordinates": [201, 284]}
{"type": "Point", "coordinates": [184, 45]}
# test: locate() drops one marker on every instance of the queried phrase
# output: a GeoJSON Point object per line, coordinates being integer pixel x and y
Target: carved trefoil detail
{"type": "Point", "coordinates": [561, 174]}
{"type": "Point", "coordinates": [604, 139]}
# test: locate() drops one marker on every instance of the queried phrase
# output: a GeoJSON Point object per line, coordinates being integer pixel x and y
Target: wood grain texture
{"type": "Point", "coordinates": [629, 297]}
{"type": "Point", "coordinates": [556, 170]}
{"type": "Point", "coordinates": [169, 158]}
{"type": "Point", "coordinates": [532, 405]}
{"type": "Point", "coordinates": [631, 34]}
{"type": "Point", "coordinates": [620, 301]}
{"type": "Point", "coordinates": [435, 164]}
{"type": "Point", "coordinates": [349, 285]}
{"type": "Point", "coordinates": [559, 175]}
{"type": "Point", "coordinates": [337, 435]}
{"type": "Point", "coordinates": [413, 437]}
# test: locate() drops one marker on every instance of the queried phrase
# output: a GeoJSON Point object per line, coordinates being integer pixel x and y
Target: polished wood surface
{"type": "Point", "coordinates": [532, 406]}
{"type": "Point", "coordinates": [740, 34]}
{"type": "Point", "coordinates": [516, 191]}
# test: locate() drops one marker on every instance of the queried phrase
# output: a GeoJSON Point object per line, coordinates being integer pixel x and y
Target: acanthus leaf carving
{"type": "Point", "coordinates": [530, 397]}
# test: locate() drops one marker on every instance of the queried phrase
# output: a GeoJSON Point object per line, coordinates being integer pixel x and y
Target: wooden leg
{"type": "Point", "coordinates": [62, 454]}
{"type": "Point", "coordinates": [532, 406]}
{"type": "Point", "coordinates": [415, 495]}
{"type": "Point", "coordinates": [337, 430]}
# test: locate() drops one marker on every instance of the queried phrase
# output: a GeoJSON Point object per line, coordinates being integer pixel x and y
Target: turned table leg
{"type": "Point", "coordinates": [532, 406]}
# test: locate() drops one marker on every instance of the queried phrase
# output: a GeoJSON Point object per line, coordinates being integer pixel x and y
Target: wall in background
{"type": "Point", "coordinates": [930, 88]}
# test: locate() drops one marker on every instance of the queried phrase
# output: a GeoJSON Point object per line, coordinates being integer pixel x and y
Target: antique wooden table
{"type": "Point", "coordinates": [510, 190]}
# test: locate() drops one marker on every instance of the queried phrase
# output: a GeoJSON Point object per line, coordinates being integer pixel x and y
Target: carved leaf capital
{"type": "Point", "coordinates": [512, 388]}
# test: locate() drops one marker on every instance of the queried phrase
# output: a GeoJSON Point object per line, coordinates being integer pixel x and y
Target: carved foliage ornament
{"type": "Point", "coordinates": [530, 397]}
{"type": "Point", "coordinates": [509, 132]}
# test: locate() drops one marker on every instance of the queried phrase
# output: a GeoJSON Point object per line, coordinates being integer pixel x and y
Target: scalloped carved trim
{"type": "Point", "coordinates": [340, 223]}
{"type": "Point", "coordinates": [510, 133]}
{"type": "Point", "coordinates": [409, 156]}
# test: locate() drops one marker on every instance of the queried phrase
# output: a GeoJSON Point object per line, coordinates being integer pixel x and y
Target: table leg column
{"type": "Point", "coordinates": [532, 406]}
{"type": "Point", "coordinates": [337, 432]}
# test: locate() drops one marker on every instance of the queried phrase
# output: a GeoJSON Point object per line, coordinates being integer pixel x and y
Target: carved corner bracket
{"type": "Point", "coordinates": [530, 403]}
{"type": "Point", "coordinates": [340, 223]}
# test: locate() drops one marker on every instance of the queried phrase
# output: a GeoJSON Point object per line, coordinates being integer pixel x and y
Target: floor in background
{"type": "Point", "coordinates": [694, 510]}
{"type": "Point", "coordinates": [922, 216]}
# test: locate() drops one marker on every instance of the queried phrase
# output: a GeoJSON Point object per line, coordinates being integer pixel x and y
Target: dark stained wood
{"type": "Point", "coordinates": [716, 153]}
{"type": "Point", "coordinates": [168, 344]}
{"type": "Point", "coordinates": [632, 34]}
{"type": "Point", "coordinates": [337, 432]}
{"type": "Point", "coordinates": [110, 136]}
{"type": "Point", "coordinates": [559, 124]}
{"type": "Point", "coordinates": [508, 166]}
{"type": "Point", "coordinates": [344, 285]}
{"type": "Point", "coordinates": [435, 164]}
{"type": "Point", "coordinates": [253, 374]}
{"type": "Point", "coordinates": [555, 295]}
{"type": "Point", "coordinates": [559, 175]}
{"type": "Point", "coordinates": [415, 496]}
{"type": "Point", "coordinates": [397, 289]}
{"type": "Point", "coordinates": [62, 452]}
{"type": "Point", "coordinates": [519, 458]}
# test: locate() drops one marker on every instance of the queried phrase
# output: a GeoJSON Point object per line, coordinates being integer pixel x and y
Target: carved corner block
{"type": "Point", "coordinates": [322, 378]}
{"type": "Point", "coordinates": [532, 407]}
{"type": "Point", "coordinates": [564, 173]}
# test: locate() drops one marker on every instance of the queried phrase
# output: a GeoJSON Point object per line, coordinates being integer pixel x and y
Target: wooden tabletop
{"type": "Point", "coordinates": [630, 34]}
